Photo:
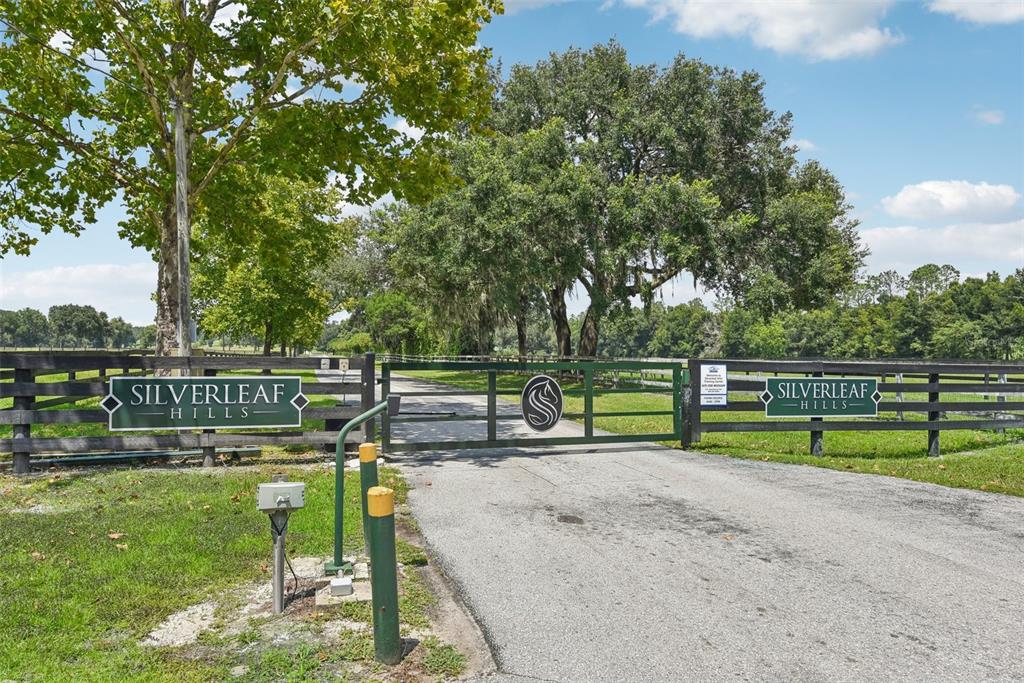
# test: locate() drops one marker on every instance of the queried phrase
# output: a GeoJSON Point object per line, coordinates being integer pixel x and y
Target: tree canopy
{"type": "Point", "coordinates": [95, 96]}
{"type": "Point", "coordinates": [268, 285]}
{"type": "Point", "coordinates": [618, 178]}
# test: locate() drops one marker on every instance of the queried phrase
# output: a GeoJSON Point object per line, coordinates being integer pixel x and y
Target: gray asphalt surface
{"type": "Point", "coordinates": [642, 563]}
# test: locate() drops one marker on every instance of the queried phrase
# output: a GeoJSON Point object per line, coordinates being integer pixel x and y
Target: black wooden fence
{"type": "Point", "coordinates": [31, 397]}
{"type": "Point", "coordinates": [952, 388]}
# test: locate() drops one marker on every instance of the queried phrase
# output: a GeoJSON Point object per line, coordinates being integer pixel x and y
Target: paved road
{"type": "Point", "coordinates": [651, 564]}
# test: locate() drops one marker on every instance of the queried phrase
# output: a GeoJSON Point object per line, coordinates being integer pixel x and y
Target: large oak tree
{"type": "Point", "coordinates": [689, 171]}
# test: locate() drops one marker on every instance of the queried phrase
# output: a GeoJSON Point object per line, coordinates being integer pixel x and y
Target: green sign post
{"type": "Point", "coordinates": [137, 403]}
{"type": "Point", "coordinates": [820, 397]}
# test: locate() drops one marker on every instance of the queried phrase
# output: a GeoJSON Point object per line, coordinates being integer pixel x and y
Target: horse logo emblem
{"type": "Point", "coordinates": [542, 403]}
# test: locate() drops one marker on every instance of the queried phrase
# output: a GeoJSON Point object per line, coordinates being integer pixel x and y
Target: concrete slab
{"type": "Point", "coordinates": [360, 593]}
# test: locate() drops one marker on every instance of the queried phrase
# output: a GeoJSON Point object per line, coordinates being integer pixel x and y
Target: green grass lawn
{"type": "Point", "coordinates": [973, 459]}
{"type": "Point", "coordinates": [76, 601]}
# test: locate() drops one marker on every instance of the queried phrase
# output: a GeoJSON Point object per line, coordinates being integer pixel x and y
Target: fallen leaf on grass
{"type": "Point", "coordinates": [206, 507]}
{"type": "Point", "coordinates": [121, 546]}
{"type": "Point", "coordinates": [264, 568]}
{"type": "Point", "coordinates": [114, 535]}
{"type": "Point", "coordinates": [942, 467]}
{"type": "Point", "coordinates": [235, 498]}
{"type": "Point", "coordinates": [36, 555]}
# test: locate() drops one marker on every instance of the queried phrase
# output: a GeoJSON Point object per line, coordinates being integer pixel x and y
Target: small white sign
{"type": "Point", "coordinates": [325, 363]}
{"type": "Point", "coordinates": [714, 385]}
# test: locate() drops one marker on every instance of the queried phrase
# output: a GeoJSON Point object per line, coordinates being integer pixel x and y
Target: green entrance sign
{"type": "Point", "coordinates": [136, 403]}
{"type": "Point", "coordinates": [820, 397]}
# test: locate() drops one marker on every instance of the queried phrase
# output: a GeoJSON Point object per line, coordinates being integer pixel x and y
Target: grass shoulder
{"type": "Point", "coordinates": [94, 562]}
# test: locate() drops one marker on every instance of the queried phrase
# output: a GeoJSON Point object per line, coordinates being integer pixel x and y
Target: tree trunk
{"type": "Point", "coordinates": [560, 321]}
{"type": "Point", "coordinates": [589, 334]}
{"type": "Point", "coordinates": [521, 325]}
{"type": "Point", "coordinates": [484, 332]}
{"type": "Point", "coordinates": [284, 351]}
{"type": "Point", "coordinates": [181, 101]}
{"type": "Point", "coordinates": [521, 335]}
{"type": "Point", "coordinates": [268, 343]}
{"type": "Point", "coordinates": [167, 287]}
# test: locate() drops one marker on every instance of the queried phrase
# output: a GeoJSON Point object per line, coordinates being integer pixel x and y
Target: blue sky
{"type": "Point", "coordinates": [917, 107]}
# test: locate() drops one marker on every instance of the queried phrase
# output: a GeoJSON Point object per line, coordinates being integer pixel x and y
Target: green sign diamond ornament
{"type": "Point", "coordinates": [820, 397]}
{"type": "Point", "coordinates": [137, 403]}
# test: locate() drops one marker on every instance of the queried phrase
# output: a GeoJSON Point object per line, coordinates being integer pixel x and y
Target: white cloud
{"type": "Point", "coordinates": [817, 30]}
{"type": "Point", "coordinates": [970, 247]}
{"type": "Point", "coordinates": [804, 144]}
{"type": "Point", "coordinates": [981, 11]}
{"type": "Point", "coordinates": [960, 199]}
{"type": "Point", "coordinates": [991, 117]}
{"type": "Point", "coordinates": [406, 128]}
{"type": "Point", "coordinates": [120, 290]}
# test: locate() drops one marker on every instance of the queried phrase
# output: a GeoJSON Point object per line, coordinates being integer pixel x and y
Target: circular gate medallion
{"type": "Point", "coordinates": [542, 403]}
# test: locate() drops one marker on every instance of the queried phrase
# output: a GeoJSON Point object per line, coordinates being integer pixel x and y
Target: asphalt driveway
{"type": "Point", "coordinates": [643, 563]}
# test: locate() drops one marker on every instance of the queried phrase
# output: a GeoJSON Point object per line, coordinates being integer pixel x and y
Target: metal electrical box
{"type": "Point", "coordinates": [280, 496]}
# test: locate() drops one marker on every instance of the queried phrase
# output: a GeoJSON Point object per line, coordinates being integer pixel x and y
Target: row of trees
{"type": "Point", "coordinates": [979, 318]}
{"type": "Point", "coordinates": [929, 314]}
{"type": "Point", "coordinates": [70, 325]}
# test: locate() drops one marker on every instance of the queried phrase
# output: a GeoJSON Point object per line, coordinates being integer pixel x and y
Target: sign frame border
{"type": "Point", "coordinates": [819, 417]}
{"type": "Point", "coordinates": [110, 414]}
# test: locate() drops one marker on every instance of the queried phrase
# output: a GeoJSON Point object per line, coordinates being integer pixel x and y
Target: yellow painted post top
{"type": "Point", "coordinates": [380, 501]}
{"type": "Point", "coordinates": [367, 452]}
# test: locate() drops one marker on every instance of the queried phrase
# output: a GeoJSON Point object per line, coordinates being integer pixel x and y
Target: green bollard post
{"type": "Point", "coordinates": [338, 564]}
{"type": "Point", "coordinates": [368, 478]}
{"type": "Point", "coordinates": [387, 642]}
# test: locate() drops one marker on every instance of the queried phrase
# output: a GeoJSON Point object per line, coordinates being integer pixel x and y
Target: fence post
{"type": "Point", "coordinates": [492, 405]}
{"type": "Point", "coordinates": [368, 380]}
{"type": "Point", "coordinates": [588, 401]}
{"type": "Point", "coordinates": [24, 430]}
{"type": "Point", "coordinates": [209, 452]}
{"type": "Point", "coordinates": [693, 365]}
{"type": "Point", "coordinates": [387, 641]}
{"type": "Point", "coordinates": [899, 396]}
{"type": "Point", "coordinates": [385, 420]}
{"type": "Point", "coordinates": [817, 437]}
{"type": "Point", "coordinates": [933, 415]}
{"type": "Point", "coordinates": [1001, 398]}
{"type": "Point", "coordinates": [678, 407]}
